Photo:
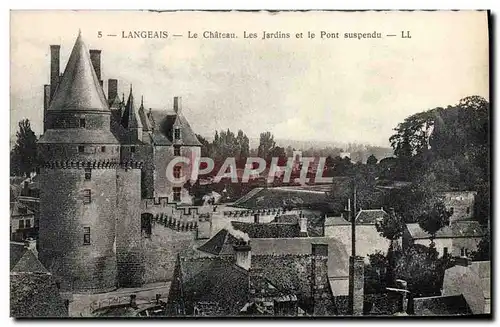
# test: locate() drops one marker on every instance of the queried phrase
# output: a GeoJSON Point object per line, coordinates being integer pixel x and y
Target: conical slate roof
{"type": "Point", "coordinates": [130, 119]}
{"type": "Point", "coordinates": [79, 89]}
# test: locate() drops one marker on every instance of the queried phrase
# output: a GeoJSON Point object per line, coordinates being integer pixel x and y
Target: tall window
{"type": "Point", "coordinates": [86, 235]}
{"type": "Point", "coordinates": [468, 210]}
{"type": "Point", "coordinates": [177, 194]}
{"type": "Point", "coordinates": [177, 171]}
{"type": "Point", "coordinates": [177, 133]}
{"type": "Point", "coordinates": [82, 122]}
{"type": "Point", "coordinates": [177, 150]}
{"type": "Point", "coordinates": [88, 174]}
{"type": "Point", "coordinates": [103, 149]}
{"type": "Point", "coordinates": [87, 196]}
{"type": "Point", "coordinates": [21, 223]}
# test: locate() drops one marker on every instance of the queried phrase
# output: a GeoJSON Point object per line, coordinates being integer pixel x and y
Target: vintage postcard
{"type": "Point", "coordinates": [249, 164]}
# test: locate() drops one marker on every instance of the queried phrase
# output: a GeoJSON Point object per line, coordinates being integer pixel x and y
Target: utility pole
{"type": "Point", "coordinates": [353, 223]}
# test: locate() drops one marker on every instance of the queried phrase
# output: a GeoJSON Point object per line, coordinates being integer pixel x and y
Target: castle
{"type": "Point", "coordinates": [103, 160]}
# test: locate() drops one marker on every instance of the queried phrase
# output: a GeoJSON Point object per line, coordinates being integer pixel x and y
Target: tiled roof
{"type": "Point", "coordinates": [215, 280]}
{"type": "Point", "coordinates": [79, 88]}
{"type": "Point", "coordinates": [35, 296]}
{"type": "Point", "coordinates": [370, 216]}
{"type": "Point", "coordinates": [24, 260]}
{"type": "Point", "coordinates": [268, 230]}
{"type": "Point", "coordinates": [278, 197]}
{"type": "Point", "coordinates": [441, 306]}
{"type": "Point", "coordinates": [456, 229]}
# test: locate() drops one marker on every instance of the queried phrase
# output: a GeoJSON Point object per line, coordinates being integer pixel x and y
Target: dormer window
{"type": "Point", "coordinates": [177, 133]}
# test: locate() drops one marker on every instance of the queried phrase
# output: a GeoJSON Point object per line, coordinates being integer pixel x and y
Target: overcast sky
{"type": "Point", "coordinates": [338, 90]}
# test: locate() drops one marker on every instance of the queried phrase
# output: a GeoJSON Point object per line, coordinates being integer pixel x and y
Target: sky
{"type": "Point", "coordinates": [337, 89]}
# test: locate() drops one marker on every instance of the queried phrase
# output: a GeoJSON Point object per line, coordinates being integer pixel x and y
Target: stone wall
{"type": "Point", "coordinates": [63, 219]}
{"type": "Point", "coordinates": [129, 254]}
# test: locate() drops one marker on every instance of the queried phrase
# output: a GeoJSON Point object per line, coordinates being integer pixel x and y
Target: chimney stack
{"type": "Point", "coordinates": [30, 244]}
{"type": "Point", "coordinates": [177, 105]}
{"type": "Point", "coordinates": [46, 103]}
{"type": "Point", "coordinates": [243, 255]}
{"type": "Point", "coordinates": [54, 69]}
{"type": "Point", "coordinates": [319, 280]}
{"type": "Point", "coordinates": [95, 58]}
{"type": "Point", "coordinates": [303, 224]}
{"type": "Point", "coordinates": [356, 285]}
{"type": "Point", "coordinates": [112, 89]}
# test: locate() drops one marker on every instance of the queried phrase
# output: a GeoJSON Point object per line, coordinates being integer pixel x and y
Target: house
{"type": "Point", "coordinates": [473, 281]}
{"type": "Point", "coordinates": [460, 203]}
{"type": "Point", "coordinates": [460, 238]}
{"type": "Point", "coordinates": [22, 222]}
{"type": "Point", "coordinates": [283, 243]}
{"type": "Point", "coordinates": [368, 239]}
{"type": "Point", "coordinates": [245, 283]}
{"type": "Point", "coordinates": [33, 290]}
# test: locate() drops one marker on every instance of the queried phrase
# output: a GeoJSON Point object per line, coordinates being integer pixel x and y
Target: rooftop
{"type": "Point", "coordinates": [456, 229]}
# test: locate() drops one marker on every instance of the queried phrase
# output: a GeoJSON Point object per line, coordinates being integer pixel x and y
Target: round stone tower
{"type": "Point", "coordinates": [78, 181]}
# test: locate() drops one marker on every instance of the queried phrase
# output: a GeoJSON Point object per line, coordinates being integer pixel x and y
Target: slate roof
{"type": "Point", "coordinates": [79, 89]}
{"type": "Point", "coordinates": [456, 229]}
{"type": "Point", "coordinates": [33, 291]}
{"type": "Point", "coordinates": [278, 197]}
{"type": "Point", "coordinates": [218, 280]}
{"type": "Point", "coordinates": [335, 221]}
{"type": "Point", "coordinates": [268, 230]}
{"type": "Point", "coordinates": [369, 216]}
{"type": "Point", "coordinates": [78, 136]}
{"type": "Point", "coordinates": [16, 210]}
{"type": "Point", "coordinates": [441, 306]}
{"type": "Point", "coordinates": [472, 281]}
{"type": "Point", "coordinates": [130, 117]}
{"type": "Point", "coordinates": [338, 257]}
{"type": "Point", "coordinates": [163, 121]}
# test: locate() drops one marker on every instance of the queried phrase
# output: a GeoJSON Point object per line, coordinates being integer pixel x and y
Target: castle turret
{"type": "Point", "coordinates": [78, 181]}
{"type": "Point", "coordinates": [131, 121]}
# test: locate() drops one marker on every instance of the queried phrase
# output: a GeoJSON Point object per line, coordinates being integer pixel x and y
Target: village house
{"type": "Point", "coordinates": [368, 239]}
{"type": "Point", "coordinates": [246, 283]}
{"type": "Point", "coordinates": [22, 222]}
{"type": "Point", "coordinates": [459, 238]}
{"type": "Point", "coordinates": [460, 204]}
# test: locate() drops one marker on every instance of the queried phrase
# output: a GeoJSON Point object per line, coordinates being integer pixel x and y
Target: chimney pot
{"type": "Point", "coordinates": [303, 226]}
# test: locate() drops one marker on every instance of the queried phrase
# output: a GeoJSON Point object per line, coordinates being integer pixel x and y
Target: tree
{"type": "Point", "coordinates": [243, 145]}
{"type": "Point", "coordinates": [423, 272]}
{"type": "Point", "coordinates": [372, 160]}
{"type": "Point", "coordinates": [266, 143]}
{"type": "Point", "coordinates": [206, 146]}
{"type": "Point", "coordinates": [391, 227]}
{"type": "Point", "coordinates": [434, 217]}
{"type": "Point", "coordinates": [23, 157]}
{"type": "Point", "coordinates": [483, 249]}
